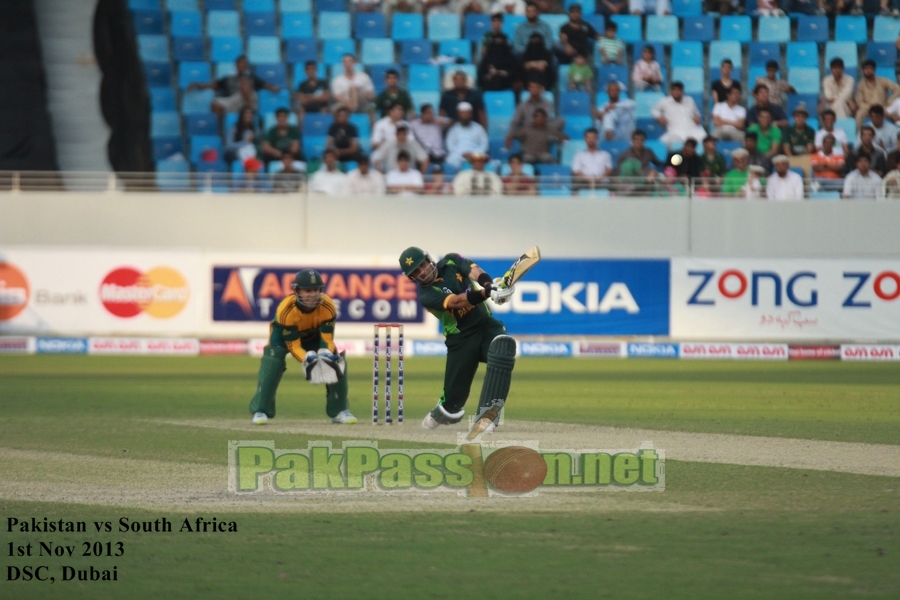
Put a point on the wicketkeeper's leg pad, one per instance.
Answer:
(336, 393)
(271, 368)
(501, 358)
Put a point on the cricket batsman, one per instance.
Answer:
(448, 290)
(304, 326)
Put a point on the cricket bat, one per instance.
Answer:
(522, 265)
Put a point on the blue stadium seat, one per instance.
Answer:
(726, 148)
(886, 72)
(576, 124)
(148, 22)
(224, 69)
(362, 124)
(850, 29)
(645, 101)
(333, 51)
(272, 101)
(848, 124)
(223, 23)
(497, 150)
(173, 175)
(884, 54)
(416, 52)
(255, 6)
(651, 127)
(407, 27)
(719, 50)
(424, 78)
(774, 29)
(202, 143)
(575, 103)
(687, 54)
(806, 80)
(331, 6)
(314, 145)
(597, 21)
(691, 77)
(274, 73)
(153, 48)
(699, 29)
(297, 25)
(377, 73)
(886, 29)
(498, 128)
(188, 48)
(802, 54)
(510, 22)
(443, 27)
(193, 72)
(848, 51)
(687, 8)
(300, 50)
(158, 74)
(162, 99)
(165, 147)
(662, 29)
(763, 52)
(207, 124)
(186, 24)
(165, 124)
(334, 26)
(456, 48)
(809, 100)
(143, 5)
(317, 123)
(499, 104)
(226, 49)
(475, 26)
(377, 51)
(755, 71)
(422, 97)
(196, 103)
(295, 6)
(812, 29)
(263, 49)
(736, 28)
(259, 24)
(174, 5)
(629, 27)
(370, 25)
(555, 180)
(617, 73)
(615, 148)
(555, 21)
(220, 5)
(567, 155)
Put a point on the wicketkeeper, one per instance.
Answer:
(304, 326)
(454, 290)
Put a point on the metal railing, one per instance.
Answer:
(654, 186)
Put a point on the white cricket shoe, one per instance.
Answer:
(344, 418)
(259, 418)
(429, 423)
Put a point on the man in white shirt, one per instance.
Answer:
(885, 131)
(837, 90)
(428, 130)
(861, 183)
(784, 184)
(842, 143)
(592, 166)
(679, 115)
(729, 117)
(385, 129)
(364, 180)
(385, 158)
(616, 116)
(354, 89)
(404, 179)
(328, 179)
(466, 137)
(476, 181)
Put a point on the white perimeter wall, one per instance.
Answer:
(578, 227)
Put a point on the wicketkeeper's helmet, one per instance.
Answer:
(308, 279)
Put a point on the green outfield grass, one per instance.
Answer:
(718, 531)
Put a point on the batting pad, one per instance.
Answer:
(501, 359)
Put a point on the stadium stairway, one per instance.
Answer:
(73, 82)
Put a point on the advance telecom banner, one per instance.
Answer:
(587, 297)
(772, 299)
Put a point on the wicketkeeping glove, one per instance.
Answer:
(309, 362)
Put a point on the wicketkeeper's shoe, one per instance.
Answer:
(259, 418)
(344, 418)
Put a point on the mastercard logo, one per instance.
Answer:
(14, 291)
(161, 292)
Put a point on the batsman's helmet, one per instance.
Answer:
(412, 258)
(308, 279)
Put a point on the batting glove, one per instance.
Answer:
(502, 296)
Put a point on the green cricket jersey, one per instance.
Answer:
(452, 279)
